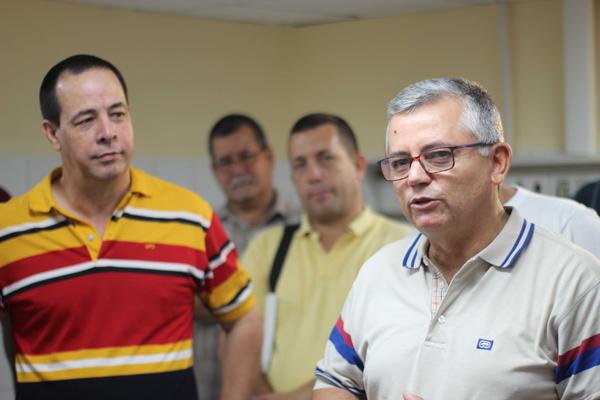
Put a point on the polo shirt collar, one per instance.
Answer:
(278, 210)
(357, 227)
(505, 249)
(502, 252)
(41, 199)
(414, 255)
(140, 183)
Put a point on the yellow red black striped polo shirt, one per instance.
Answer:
(116, 309)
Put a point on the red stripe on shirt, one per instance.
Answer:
(49, 261)
(103, 309)
(153, 252)
(347, 339)
(571, 355)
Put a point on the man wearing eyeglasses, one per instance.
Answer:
(482, 304)
(242, 163)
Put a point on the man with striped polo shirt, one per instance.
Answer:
(100, 262)
(481, 304)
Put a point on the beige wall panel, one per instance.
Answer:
(538, 76)
(183, 73)
(355, 68)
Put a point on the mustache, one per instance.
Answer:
(242, 180)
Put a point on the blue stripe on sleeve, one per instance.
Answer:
(344, 349)
(586, 360)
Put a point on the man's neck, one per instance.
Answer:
(507, 193)
(330, 231)
(450, 251)
(254, 211)
(91, 201)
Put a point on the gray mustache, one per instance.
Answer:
(246, 179)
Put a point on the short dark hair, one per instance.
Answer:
(229, 124)
(315, 120)
(75, 64)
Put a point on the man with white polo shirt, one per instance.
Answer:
(482, 304)
(575, 221)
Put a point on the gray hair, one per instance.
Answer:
(480, 115)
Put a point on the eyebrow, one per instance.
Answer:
(117, 105)
(92, 111)
(430, 146)
(82, 113)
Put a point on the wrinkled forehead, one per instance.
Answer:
(438, 122)
(324, 138)
(92, 85)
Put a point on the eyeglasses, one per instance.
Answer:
(246, 158)
(435, 160)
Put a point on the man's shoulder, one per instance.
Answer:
(562, 207)
(389, 259)
(391, 227)
(269, 237)
(170, 196)
(18, 211)
(554, 252)
(263, 244)
(400, 247)
(14, 211)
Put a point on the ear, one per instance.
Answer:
(501, 156)
(361, 163)
(49, 130)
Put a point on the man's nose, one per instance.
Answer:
(314, 171)
(417, 175)
(106, 130)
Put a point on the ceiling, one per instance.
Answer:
(286, 12)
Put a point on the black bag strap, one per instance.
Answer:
(284, 244)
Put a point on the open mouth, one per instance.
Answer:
(422, 203)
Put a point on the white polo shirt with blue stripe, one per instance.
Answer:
(520, 320)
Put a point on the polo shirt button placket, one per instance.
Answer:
(442, 319)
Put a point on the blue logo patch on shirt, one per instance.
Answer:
(485, 344)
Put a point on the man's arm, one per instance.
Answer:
(241, 365)
(332, 394)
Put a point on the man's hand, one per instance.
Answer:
(241, 358)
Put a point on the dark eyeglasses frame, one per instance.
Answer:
(384, 163)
